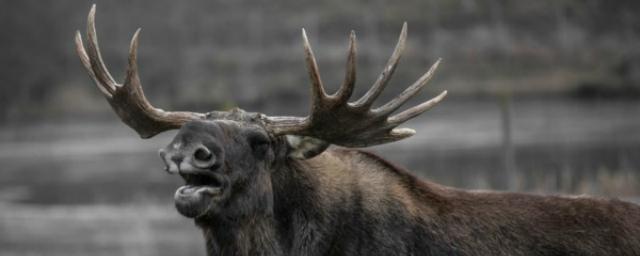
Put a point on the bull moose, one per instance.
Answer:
(272, 185)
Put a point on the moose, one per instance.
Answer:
(282, 185)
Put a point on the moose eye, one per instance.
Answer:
(259, 143)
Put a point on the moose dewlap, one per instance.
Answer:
(271, 185)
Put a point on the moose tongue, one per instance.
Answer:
(189, 189)
(195, 190)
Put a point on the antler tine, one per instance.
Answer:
(127, 100)
(84, 58)
(133, 79)
(317, 89)
(403, 116)
(345, 91)
(99, 68)
(408, 93)
(379, 85)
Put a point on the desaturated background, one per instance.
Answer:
(544, 97)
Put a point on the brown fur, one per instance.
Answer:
(477, 223)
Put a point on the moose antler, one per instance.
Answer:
(127, 99)
(335, 120)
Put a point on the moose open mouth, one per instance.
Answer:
(209, 184)
(199, 192)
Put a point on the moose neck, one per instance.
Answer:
(320, 192)
(250, 236)
(250, 231)
(264, 233)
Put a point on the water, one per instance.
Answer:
(94, 188)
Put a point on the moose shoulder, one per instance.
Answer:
(273, 185)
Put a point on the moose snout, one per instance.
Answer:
(188, 159)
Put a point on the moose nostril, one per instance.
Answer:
(202, 154)
(203, 157)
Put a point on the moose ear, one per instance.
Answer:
(303, 147)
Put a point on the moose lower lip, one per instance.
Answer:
(194, 200)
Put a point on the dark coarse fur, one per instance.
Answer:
(351, 202)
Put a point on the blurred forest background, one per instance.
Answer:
(544, 97)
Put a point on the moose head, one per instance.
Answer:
(227, 158)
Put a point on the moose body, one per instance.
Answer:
(261, 185)
(352, 202)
